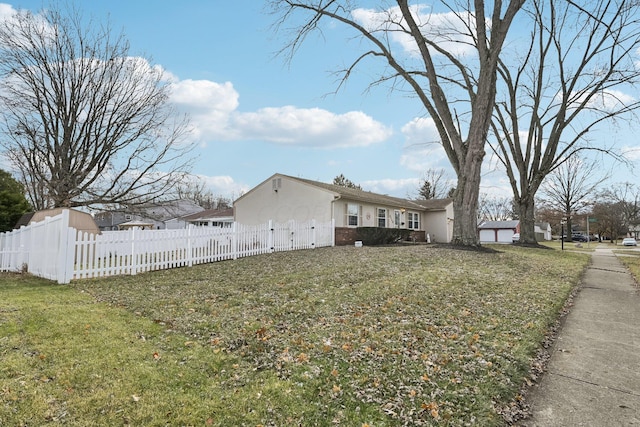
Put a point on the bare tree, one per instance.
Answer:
(610, 220)
(627, 197)
(434, 185)
(195, 189)
(450, 61)
(570, 79)
(84, 122)
(572, 186)
(495, 208)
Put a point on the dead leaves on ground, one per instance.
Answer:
(428, 335)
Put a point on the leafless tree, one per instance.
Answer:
(627, 197)
(571, 78)
(493, 208)
(84, 122)
(445, 61)
(572, 186)
(610, 220)
(434, 185)
(195, 189)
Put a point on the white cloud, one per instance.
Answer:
(608, 100)
(312, 127)
(214, 116)
(404, 187)
(224, 185)
(422, 149)
(612, 100)
(6, 11)
(448, 30)
(632, 153)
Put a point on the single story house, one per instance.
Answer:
(153, 216)
(210, 218)
(543, 231)
(282, 198)
(498, 231)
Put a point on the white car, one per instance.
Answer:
(629, 241)
(515, 238)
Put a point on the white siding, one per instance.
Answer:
(293, 200)
(487, 236)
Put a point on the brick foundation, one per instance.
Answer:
(348, 236)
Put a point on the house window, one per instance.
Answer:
(382, 218)
(353, 212)
(413, 219)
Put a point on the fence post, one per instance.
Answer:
(234, 241)
(189, 246)
(64, 252)
(270, 231)
(313, 233)
(134, 266)
(292, 236)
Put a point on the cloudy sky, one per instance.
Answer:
(254, 114)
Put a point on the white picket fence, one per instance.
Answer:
(55, 251)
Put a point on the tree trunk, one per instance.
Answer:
(526, 212)
(465, 202)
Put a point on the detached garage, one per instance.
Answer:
(498, 231)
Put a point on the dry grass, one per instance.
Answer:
(408, 335)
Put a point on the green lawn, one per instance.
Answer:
(632, 260)
(408, 335)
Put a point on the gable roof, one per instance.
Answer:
(499, 224)
(373, 198)
(209, 214)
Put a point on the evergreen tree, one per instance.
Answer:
(13, 204)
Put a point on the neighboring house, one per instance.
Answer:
(498, 231)
(503, 231)
(81, 221)
(210, 218)
(149, 217)
(543, 231)
(282, 198)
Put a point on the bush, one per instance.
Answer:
(382, 236)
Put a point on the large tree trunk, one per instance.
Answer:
(465, 203)
(526, 212)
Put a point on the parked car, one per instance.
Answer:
(580, 238)
(515, 238)
(629, 241)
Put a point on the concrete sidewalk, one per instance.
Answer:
(593, 377)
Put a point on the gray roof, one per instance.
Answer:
(209, 214)
(374, 198)
(492, 225)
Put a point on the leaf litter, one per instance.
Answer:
(429, 336)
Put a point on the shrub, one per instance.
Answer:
(382, 236)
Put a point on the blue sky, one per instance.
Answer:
(255, 115)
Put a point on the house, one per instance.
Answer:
(210, 218)
(152, 216)
(543, 231)
(498, 231)
(282, 198)
(81, 221)
(503, 231)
